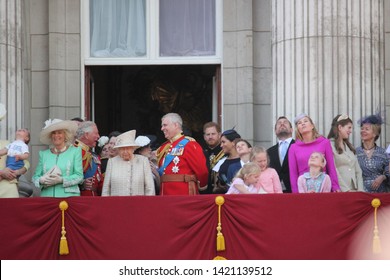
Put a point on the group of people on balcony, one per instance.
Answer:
(227, 164)
(308, 163)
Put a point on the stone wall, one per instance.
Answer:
(52, 66)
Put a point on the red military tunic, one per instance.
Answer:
(91, 169)
(188, 160)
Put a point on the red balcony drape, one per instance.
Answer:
(272, 226)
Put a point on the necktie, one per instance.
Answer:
(283, 149)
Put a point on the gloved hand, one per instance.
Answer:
(43, 179)
(52, 180)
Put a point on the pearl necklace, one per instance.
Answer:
(56, 151)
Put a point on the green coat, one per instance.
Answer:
(70, 163)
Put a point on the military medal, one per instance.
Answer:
(175, 169)
(177, 151)
(176, 160)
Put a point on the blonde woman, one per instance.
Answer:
(308, 140)
(59, 171)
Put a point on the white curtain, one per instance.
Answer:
(118, 28)
(187, 27)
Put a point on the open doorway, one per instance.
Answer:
(136, 97)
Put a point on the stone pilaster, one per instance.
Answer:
(11, 66)
(328, 58)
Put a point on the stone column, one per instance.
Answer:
(64, 59)
(11, 66)
(328, 58)
(237, 68)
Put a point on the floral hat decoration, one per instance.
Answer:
(372, 119)
(142, 141)
(103, 140)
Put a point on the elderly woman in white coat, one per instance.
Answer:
(348, 169)
(128, 174)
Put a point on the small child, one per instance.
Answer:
(17, 151)
(245, 179)
(269, 181)
(315, 180)
(243, 148)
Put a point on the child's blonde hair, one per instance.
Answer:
(259, 150)
(248, 169)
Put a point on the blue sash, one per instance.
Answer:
(170, 156)
(90, 172)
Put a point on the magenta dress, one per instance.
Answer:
(298, 158)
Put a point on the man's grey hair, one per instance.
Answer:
(84, 127)
(174, 118)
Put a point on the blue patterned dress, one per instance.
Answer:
(376, 165)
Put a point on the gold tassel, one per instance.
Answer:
(376, 242)
(219, 258)
(219, 200)
(64, 249)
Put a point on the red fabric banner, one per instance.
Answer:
(272, 226)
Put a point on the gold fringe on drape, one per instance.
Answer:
(219, 200)
(64, 249)
(376, 242)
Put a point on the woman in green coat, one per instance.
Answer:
(59, 171)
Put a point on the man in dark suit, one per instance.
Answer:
(278, 153)
(212, 151)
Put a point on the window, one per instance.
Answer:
(151, 31)
(187, 27)
(117, 28)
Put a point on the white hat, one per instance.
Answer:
(3, 111)
(142, 141)
(54, 125)
(126, 140)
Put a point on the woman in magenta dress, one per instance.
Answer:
(307, 141)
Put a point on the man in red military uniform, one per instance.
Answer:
(181, 162)
(87, 135)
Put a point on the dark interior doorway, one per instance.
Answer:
(136, 97)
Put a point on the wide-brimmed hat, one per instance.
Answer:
(126, 139)
(3, 111)
(54, 125)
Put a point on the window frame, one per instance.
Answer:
(152, 41)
